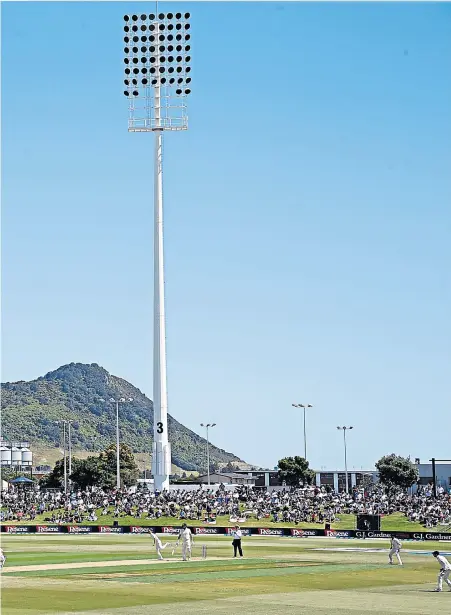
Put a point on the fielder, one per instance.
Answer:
(395, 549)
(445, 571)
(187, 539)
(159, 546)
(2, 559)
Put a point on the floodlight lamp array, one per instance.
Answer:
(157, 52)
(157, 65)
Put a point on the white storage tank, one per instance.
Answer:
(5, 456)
(27, 457)
(16, 456)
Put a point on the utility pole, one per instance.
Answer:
(64, 448)
(346, 459)
(119, 400)
(304, 406)
(208, 449)
(69, 425)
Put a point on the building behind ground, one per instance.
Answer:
(442, 473)
(242, 477)
(335, 479)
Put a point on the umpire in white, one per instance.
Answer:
(237, 536)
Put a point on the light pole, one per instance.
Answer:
(119, 400)
(157, 77)
(69, 437)
(208, 449)
(64, 447)
(304, 406)
(346, 460)
(69, 425)
(67, 473)
(63, 423)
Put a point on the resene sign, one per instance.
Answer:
(340, 533)
(48, 529)
(263, 531)
(108, 529)
(138, 529)
(16, 529)
(79, 529)
(207, 530)
(305, 533)
(229, 531)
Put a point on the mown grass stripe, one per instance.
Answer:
(193, 575)
(168, 565)
(240, 574)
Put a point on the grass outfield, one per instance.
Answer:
(120, 575)
(396, 522)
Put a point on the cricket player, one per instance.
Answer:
(445, 571)
(395, 549)
(237, 536)
(187, 538)
(2, 559)
(159, 546)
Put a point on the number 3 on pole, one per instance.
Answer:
(159, 427)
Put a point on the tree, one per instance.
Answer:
(108, 466)
(87, 473)
(295, 471)
(395, 471)
(99, 471)
(213, 466)
(230, 467)
(55, 480)
(367, 482)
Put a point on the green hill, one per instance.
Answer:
(75, 391)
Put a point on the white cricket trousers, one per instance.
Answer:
(186, 550)
(393, 552)
(443, 575)
(159, 548)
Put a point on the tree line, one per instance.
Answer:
(395, 472)
(99, 471)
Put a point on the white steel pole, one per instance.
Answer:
(305, 439)
(161, 459)
(164, 109)
(208, 459)
(70, 453)
(346, 461)
(304, 408)
(118, 463)
(64, 447)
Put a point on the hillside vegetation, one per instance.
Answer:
(30, 411)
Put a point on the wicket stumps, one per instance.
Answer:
(204, 551)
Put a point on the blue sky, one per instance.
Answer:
(307, 220)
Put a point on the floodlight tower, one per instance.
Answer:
(157, 79)
(344, 428)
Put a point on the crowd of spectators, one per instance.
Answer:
(309, 504)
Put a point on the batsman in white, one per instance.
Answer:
(187, 539)
(159, 546)
(2, 559)
(445, 571)
(395, 549)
